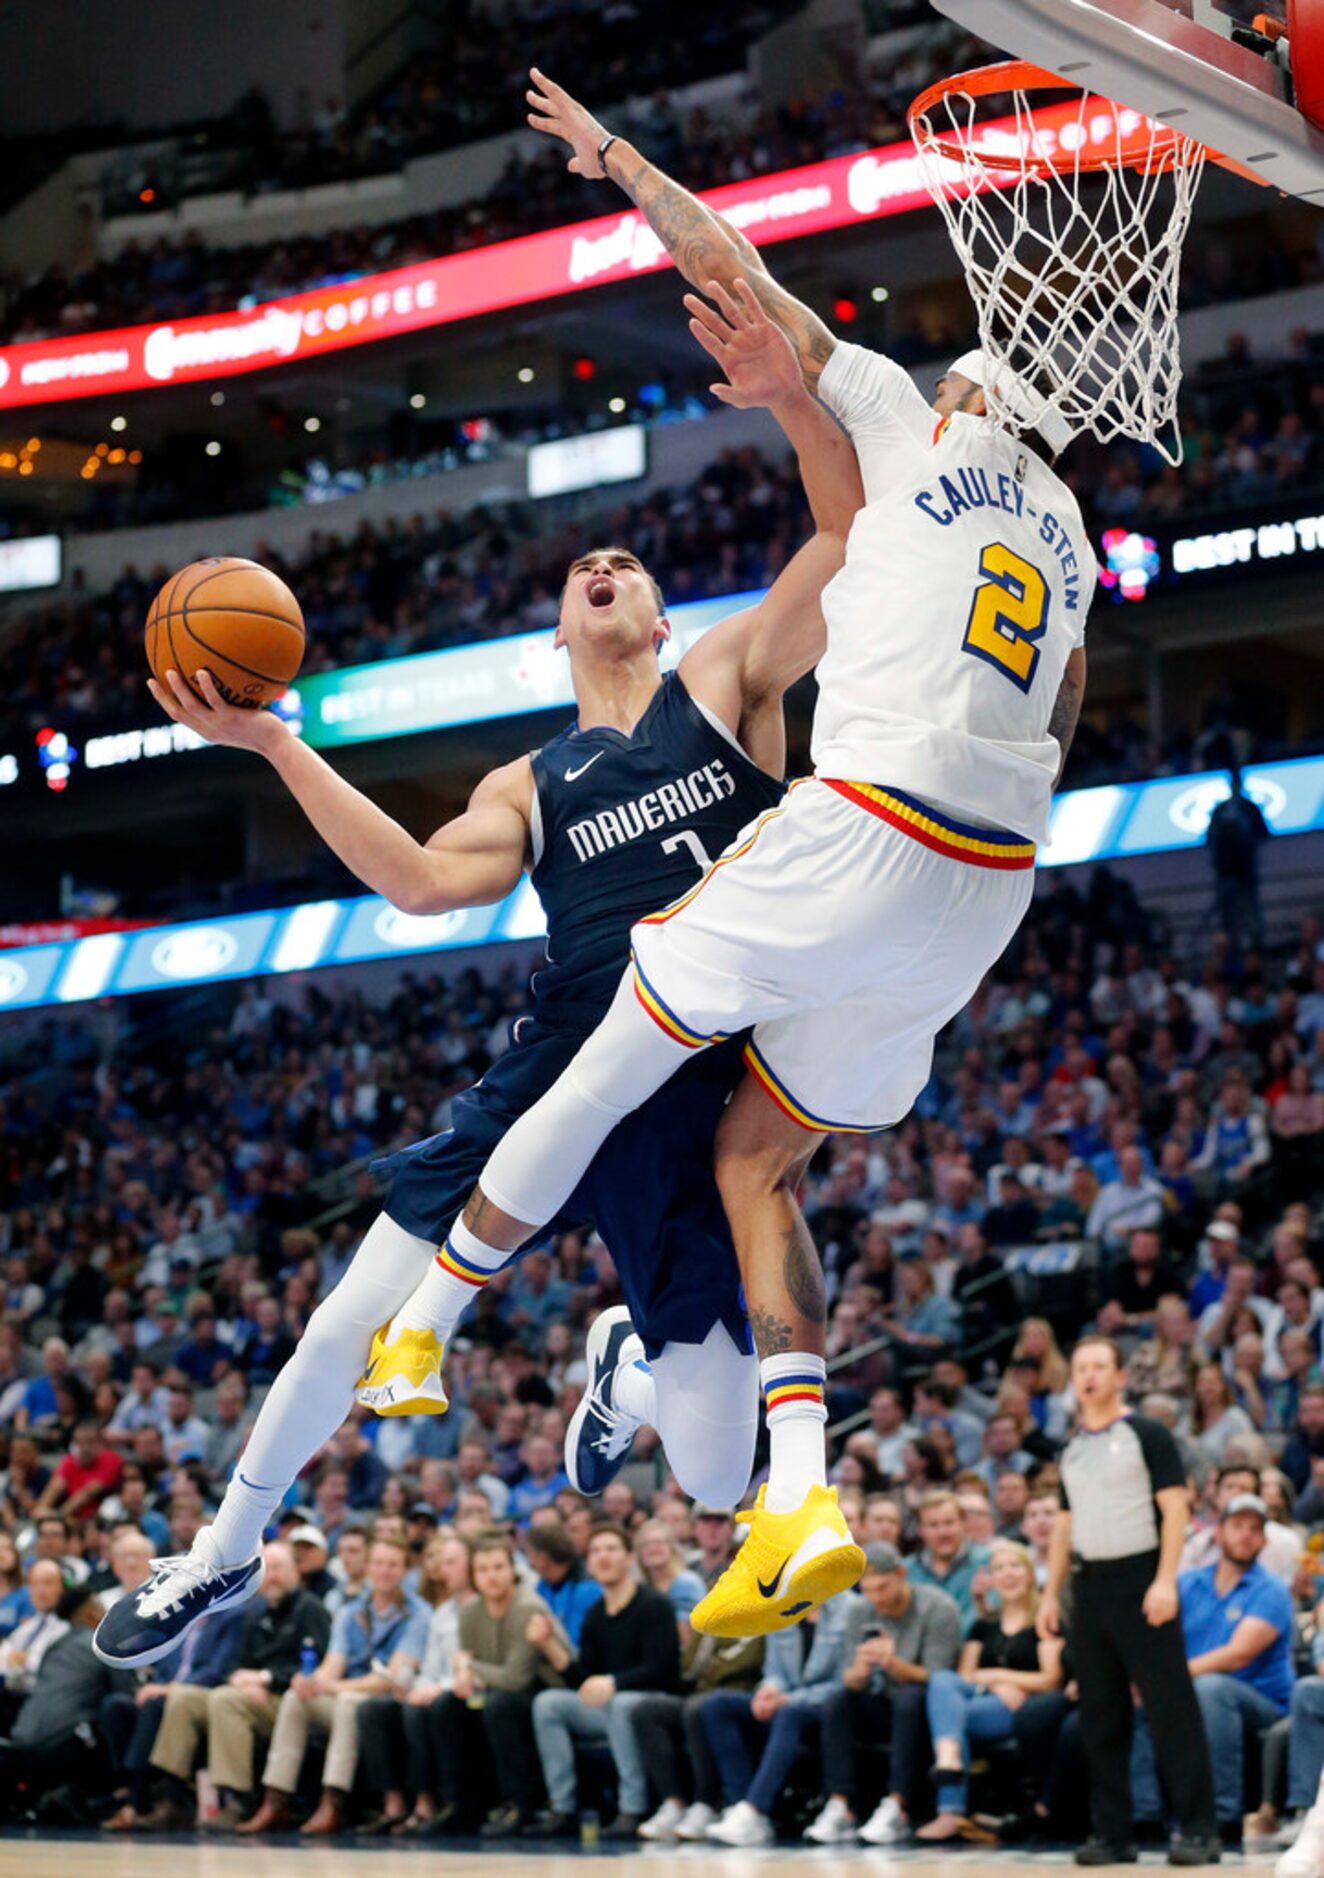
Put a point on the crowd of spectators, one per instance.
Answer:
(450, 1639)
(420, 584)
(182, 276)
(442, 579)
(174, 278)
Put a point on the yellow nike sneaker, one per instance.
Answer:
(403, 1377)
(789, 1564)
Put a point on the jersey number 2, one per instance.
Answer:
(1009, 614)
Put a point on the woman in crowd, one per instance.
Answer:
(1214, 1418)
(1002, 1663)
(395, 1498)
(15, 1604)
(1037, 1343)
(662, 1565)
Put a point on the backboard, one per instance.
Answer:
(1182, 67)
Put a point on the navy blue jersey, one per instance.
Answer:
(623, 826)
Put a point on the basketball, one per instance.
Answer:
(234, 617)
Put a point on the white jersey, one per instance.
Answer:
(967, 579)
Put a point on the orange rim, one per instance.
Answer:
(1150, 148)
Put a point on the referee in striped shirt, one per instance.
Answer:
(1120, 1532)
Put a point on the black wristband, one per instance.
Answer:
(603, 148)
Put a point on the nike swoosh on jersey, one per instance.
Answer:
(572, 775)
(770, 1589)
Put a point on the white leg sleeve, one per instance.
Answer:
(542, 1159)
(312, 1395)
(708, 1416)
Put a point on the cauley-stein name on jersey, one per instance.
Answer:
(675, 801)
(972, 487)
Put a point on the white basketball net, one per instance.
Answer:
(1073, 270)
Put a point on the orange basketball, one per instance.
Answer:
(234, 617)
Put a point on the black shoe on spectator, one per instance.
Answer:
(378, 1826)
(450, 1822)
(1186, 1849)
(504, 1823)
(624, 1826)
(550, 1826)
(1099, 1852)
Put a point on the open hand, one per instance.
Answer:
(757, 357)
(557, 114)
(214, 719)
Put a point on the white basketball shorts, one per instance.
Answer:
(847, 926)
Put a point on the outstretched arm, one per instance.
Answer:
(703, 246)
(471, 861)
(742, 668)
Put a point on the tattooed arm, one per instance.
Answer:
(704, 247)
(1066, 707)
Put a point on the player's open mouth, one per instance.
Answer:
(601, 590)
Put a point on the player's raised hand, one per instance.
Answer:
(757, 357)
(557, 114)
(214, 719)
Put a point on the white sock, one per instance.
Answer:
(453, 1280)
(635, 1393)
(793, 1386)
(315, 1391)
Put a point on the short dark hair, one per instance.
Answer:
(72, 1600)
(551, 1542)
(491, 1540)
(608, 1528)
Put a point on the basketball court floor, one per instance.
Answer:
(87, 1857)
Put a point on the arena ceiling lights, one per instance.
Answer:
(838, 193)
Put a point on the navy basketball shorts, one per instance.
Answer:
(650, 1191)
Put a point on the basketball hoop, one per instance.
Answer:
(1069, 221)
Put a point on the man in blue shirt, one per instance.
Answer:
(562, 1584)
(543, 1479)
(1237, 1624)
(377, 1643)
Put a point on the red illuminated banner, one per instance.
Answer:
(45, 932)
(835, 194)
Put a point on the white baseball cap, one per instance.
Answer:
(1025, 405)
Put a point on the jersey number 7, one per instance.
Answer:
(1009, 614)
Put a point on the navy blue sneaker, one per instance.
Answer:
(600, 1434)
(146, 1624)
